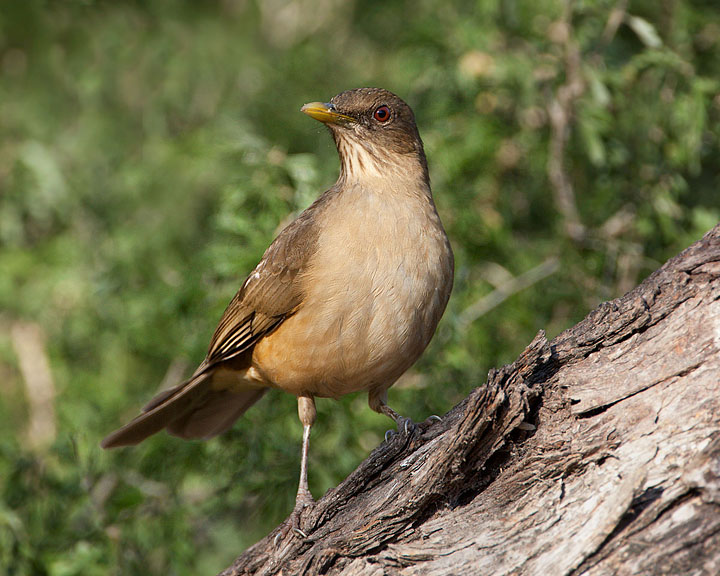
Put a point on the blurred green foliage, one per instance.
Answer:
(150, 151)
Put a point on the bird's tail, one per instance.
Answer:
(191, 410)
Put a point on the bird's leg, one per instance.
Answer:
(303, 499)
(378, 402)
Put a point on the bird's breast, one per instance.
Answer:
(374, 293)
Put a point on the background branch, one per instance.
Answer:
(560, 112)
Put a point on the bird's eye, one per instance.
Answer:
(382, 114)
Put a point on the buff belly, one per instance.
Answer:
(383, 310)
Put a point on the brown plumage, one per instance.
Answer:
(345, 299)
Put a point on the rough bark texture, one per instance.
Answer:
(597, 453)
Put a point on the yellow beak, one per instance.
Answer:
(325, 113)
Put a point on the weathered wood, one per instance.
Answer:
(597, 453)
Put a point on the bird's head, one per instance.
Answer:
(374, 131)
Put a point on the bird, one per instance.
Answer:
(345, 299)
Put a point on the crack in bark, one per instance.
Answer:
(597, 410)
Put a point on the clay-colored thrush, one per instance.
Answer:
(346, 298)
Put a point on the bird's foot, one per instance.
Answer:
(407, 426)
(404, 426)
(292, 525)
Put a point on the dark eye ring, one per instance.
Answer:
(382, 114)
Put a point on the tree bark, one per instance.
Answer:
(596, 453)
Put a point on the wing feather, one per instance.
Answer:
(270, 294)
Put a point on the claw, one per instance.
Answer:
(405, 425)
(290, 526)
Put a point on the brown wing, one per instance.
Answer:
(269, 295)
(195, 409)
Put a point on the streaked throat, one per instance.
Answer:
(361, 161)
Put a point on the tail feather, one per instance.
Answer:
(168, 406)
(216, 414)
(191, 410)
